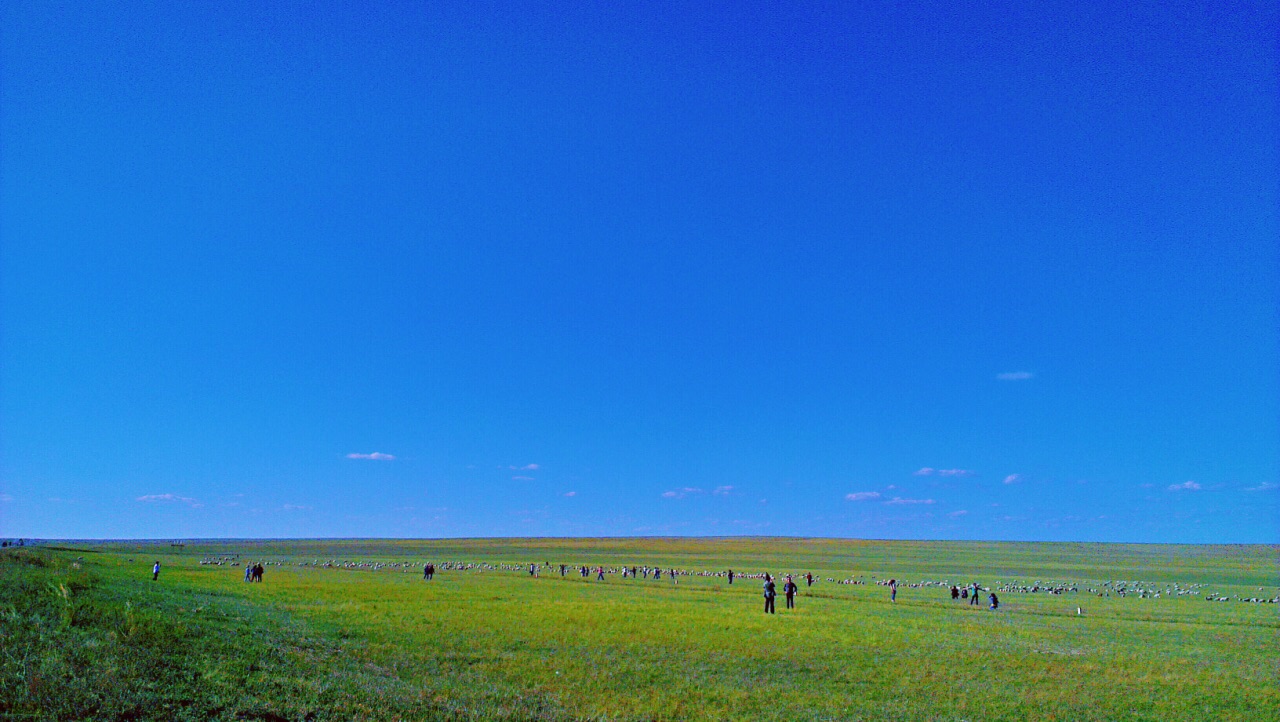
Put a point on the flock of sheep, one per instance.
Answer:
(1118, 588)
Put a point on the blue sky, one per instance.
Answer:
(994, 272)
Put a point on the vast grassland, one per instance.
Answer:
(349, 630)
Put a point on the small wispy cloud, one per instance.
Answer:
(526, 467)
(5, 498)
(681, 493)
(522, 478)
(1015, 376)
(1264, 486)
(1013, 478)
(375, 456)
(930, 471)
(571, 493)
(723, 490)
(958, 513)
(862, 496)
(295, 507)
(900, 500)
(1185, 486)
(170, 498)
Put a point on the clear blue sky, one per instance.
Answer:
(995, 272)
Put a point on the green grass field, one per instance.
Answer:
(86, 633)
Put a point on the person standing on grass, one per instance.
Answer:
(808, 577)
(973, 595)
(955, 593)
(995, 601)
(893, 590)
(731, 576)
(790, 590)
(769, 593)
(248, 572)
(673, 576)
(600, 574)
(155, 571)
(562, 569)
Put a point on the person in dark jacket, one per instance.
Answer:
(790, 590)
(770, 591)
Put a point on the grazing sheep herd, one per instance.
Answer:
(1116, 588)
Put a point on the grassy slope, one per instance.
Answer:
(342, 644)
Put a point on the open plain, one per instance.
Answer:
(349, 629)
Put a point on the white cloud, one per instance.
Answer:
(723, 490)
(1015, 376)
(153, 498)
(930, 471)
(5, 498)
(681, 493)
(862, 495)
(1185, 486)
(522, 478)
(571, 493)
(900, 500)
(958, 513)
(1264, 486)
(1013, 478)
(375, 456)
(295, 507)
(530, 467)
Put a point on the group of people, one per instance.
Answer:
(973, 593)
(253, 572)
(789, 590)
